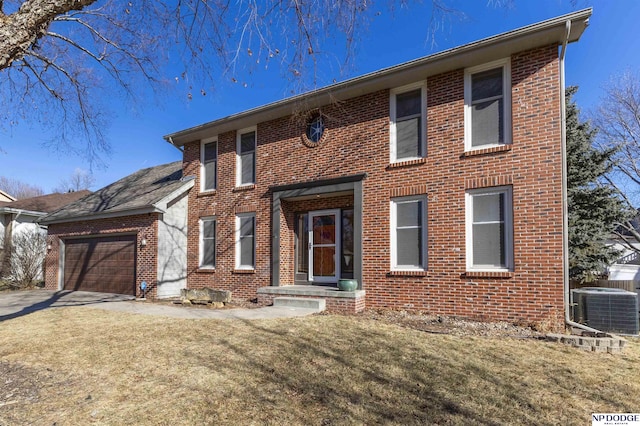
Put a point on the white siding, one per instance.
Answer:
(24, 225)
(172, 249)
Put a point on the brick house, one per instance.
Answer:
(436, 184)
(126, 233)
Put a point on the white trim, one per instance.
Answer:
(338, 234)
(203, 179)
(423, 230)
(505, 64)
(239, 134)
(237, 240)
(422, 85)
(61, 254)
(508, 227)
(201, 241)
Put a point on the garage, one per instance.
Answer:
(102, 264)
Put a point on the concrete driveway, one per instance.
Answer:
(14, 304)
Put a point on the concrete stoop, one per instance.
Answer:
(610, 343)
(300, 302)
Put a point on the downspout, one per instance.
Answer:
(565, 208)
(170, 140)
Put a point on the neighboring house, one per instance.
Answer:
(18, 216)
(131, 231)
(436, 184)
(4, 197)
(627, 266)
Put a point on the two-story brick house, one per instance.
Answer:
(437, 184)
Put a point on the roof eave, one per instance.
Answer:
(22, 212)
(485, 50)
(162, 204)
(97, 216)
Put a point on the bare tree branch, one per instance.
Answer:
(60, 58)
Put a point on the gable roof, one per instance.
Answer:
(567, 27)
(6, 197)
(145, 191)
(42, 204)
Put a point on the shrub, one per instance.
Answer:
(28, 250)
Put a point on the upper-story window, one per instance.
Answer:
(408, 123)
(209, 164)
(246, 157)
(487, 96)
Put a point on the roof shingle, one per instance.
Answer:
(139, 190)
(45, 203)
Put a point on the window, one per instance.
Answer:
(487, 96)
(315, 129)
(245, 241)
(489, 229)
(208, 243)
(246, 157)
(408, 123)
(408, 233)
(209, 164)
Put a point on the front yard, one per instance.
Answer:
(72, 366)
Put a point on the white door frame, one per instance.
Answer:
(336, 256)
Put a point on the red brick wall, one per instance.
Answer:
(145, 226)
(357, 140)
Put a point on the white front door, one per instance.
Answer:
(324, 246)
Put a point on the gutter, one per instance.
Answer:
(565, 207)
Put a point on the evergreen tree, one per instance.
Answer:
(594, 210)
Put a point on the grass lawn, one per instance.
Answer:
(76, 366)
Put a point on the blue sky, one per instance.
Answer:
(609, 46)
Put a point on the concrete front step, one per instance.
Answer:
(300, 302)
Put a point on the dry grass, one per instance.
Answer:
(73, 366)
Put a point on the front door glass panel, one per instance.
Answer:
(324, 246)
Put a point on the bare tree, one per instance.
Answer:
(79, 180)
(19, 189)
(60, 58)
(618, 121)
(28, 250)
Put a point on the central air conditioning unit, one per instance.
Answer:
(611, 310)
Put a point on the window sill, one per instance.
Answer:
(206, 270)
(243, 271)
(206, 193)
(488, 274)
(406, 163)
(244, 187)
(485, 151)
(416, 273)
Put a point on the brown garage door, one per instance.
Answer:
(101, 264)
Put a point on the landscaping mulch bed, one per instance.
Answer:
(439, 324)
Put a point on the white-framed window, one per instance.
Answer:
(408, 127)
(209, 164)
(207, 243)
(487, 101)
(246, 156)
(409, 233)
(245, 241)
(490, 229)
